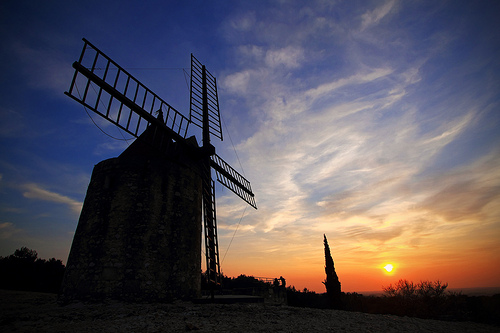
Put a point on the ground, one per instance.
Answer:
(39, 312)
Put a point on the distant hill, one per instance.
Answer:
(482, 291)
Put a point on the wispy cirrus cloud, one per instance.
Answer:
(373, 17)
(351, 153)
(44, 68)
(118, 145)
(36, 192)
(356, 79)
(289, 57)
(471, 192)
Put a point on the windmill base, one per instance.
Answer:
(139, 234)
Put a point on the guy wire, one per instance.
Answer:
(93, 121)
(234, 234)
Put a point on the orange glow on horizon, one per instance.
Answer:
(361, 266)
(361, 278)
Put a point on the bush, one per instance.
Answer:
(306, 298)
(425, 299)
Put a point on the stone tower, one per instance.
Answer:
(139, 233)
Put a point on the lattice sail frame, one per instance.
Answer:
(233, 180)
(196, 99)
(114, 94)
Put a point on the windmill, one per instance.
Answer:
(104, 87)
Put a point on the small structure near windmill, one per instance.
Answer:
(139, 233)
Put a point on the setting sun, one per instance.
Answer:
(388, 268)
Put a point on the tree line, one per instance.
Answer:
(23, 270)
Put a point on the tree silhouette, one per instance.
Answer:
(425, 299)
(332, 282)
(26, 254)
(23, 270)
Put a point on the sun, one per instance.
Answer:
(388, 268)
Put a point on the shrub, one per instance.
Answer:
(425, 299)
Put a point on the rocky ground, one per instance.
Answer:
(38, 312)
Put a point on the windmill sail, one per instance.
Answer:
(101, 85)
(233, 180)
(202, 80)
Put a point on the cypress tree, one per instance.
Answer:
(332, 282)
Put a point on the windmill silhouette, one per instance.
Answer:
(101, 85)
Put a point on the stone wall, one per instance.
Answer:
(139, 233)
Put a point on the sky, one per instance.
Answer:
(373, 122)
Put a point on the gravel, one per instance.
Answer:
(39, 312)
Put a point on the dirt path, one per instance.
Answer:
(38, 312)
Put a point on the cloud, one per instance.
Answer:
(261, 66)
(365, 136)
(364, 232)
(44, 68)
(251, 52)
(244, 22)
(289, 57)
(344, 152)
(469, 193)
(7, 230)
(117, 146)
(34, 191)
(356, 79)
(237, 82)
(347, 142)
(374, 16)
(449, 131)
